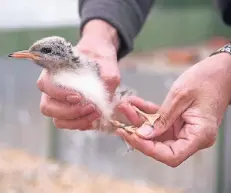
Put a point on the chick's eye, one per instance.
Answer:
(46, 50)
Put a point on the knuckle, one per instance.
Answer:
(44, 108)
(210, 143)
(112, 79)
(208, 132)
(149, 154)
(116, 79)
(210, 136)
(174, 163)
(170, 161)
(58, 123)
(40, 81)
(180, 93)
(40, 84)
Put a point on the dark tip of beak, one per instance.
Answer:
(10, 55)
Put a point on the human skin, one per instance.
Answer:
(190, 114)
(100, 42)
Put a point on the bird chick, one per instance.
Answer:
(72, 70)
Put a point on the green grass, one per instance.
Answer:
(164, 27)
(22, 39)
(176, 27)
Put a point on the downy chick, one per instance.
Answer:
(72, 70)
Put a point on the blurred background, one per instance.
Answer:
(177, 34)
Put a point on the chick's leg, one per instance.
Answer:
(149, 120)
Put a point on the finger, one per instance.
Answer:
(176, 102)
(110, 74)
(130, 113)
(46, 85)
(147, 132)
(127, 108)
(172, 153)
(141, 104)
(129, 138)
(63, 110)
(83, 123)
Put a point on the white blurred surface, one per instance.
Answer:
(38, 13)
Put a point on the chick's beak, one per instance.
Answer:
(24, 54)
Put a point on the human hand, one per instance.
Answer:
(190, 114)
(100, 42)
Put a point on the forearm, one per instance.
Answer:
(126, 17)
(101, 30)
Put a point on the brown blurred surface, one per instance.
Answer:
(174, 57)
(24, 173)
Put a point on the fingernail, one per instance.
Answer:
(73, 98)
(88, 109)
(159, 124)
(145, 131)
(93, 116)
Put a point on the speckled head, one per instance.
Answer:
(51, 53)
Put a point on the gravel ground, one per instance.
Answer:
(21, 172)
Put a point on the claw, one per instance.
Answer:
(150, 120)
(129, 129)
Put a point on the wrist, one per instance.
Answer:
(223, 63)
(101, 32)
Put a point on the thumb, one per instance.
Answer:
(173, 106)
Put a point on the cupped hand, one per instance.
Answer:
(64, 105)
(190, 114)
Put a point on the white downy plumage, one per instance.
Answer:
(72, 70)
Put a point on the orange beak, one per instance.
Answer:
(24, 54)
